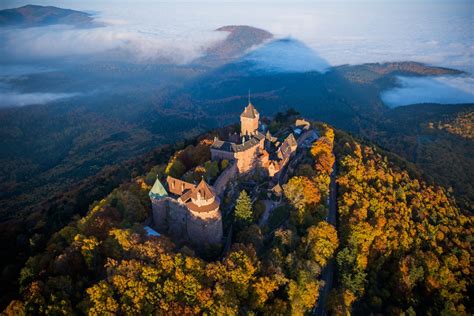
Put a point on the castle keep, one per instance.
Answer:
(249, 121)
(255, 149)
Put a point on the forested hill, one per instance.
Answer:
(401, 246)
(36, 15)
(438, 139)
(405, 246)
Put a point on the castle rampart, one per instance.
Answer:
(194, 216)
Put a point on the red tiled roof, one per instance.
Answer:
(249, 111)
(177, 186)
(204, 190)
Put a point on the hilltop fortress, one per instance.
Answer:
(192, 211)
(255, 148)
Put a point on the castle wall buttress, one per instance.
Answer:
(205, 228)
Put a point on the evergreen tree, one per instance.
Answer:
(243, 209)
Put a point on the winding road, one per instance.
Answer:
(328, 272)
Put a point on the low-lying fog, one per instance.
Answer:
(442, 89)
(430, 31)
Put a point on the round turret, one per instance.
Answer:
(204, 223)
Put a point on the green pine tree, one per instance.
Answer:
(243, 209)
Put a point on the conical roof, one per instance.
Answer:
(204, 190)
(250, 111)
(157, 191)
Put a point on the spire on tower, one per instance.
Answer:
(249, 120)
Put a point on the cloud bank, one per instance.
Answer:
(12, 99)
(61, 41)
(434, 32)
(444, 90)
(9, 97)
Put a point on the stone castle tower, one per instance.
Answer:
(204, 223)
(249, 120)
(254, 149)
(194, 215)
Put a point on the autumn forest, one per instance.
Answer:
(400, 246)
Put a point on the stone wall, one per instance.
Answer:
(160, 214)
(221, 182)
(174, 219)
(247, 160)
(205, 229)
(221, 154)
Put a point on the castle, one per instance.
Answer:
(255, 148)
(192, 212)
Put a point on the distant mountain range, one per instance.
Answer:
(36, 15)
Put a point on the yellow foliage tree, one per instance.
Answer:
(321, 242)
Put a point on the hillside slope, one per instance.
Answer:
(433, 136)
(405, 245)
(389, 245)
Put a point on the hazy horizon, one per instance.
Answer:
(437, 33)
(433, 32)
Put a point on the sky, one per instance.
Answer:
(438, 32)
